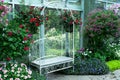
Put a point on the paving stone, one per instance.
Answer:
(111, 76)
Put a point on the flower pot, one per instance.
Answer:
(68, 28)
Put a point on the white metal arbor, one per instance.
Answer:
(42, 62)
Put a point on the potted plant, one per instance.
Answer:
(68, 19)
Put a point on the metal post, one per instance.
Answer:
(67, 45)
(13, 8)
(42, 38)
(81, 27)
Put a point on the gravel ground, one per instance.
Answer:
(111, 76)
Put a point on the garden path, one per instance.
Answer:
(111, 76)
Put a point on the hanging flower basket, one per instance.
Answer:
(68, 19)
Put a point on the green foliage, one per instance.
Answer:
(102, 30)
(113, 65)
(54, 52)
(15, 41)
(36, 75)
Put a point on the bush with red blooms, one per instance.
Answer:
(15, 41)
(68, 18)
(30, 18)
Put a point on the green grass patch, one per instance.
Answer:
(113, 65)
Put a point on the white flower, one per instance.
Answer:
(5, 75)
(0, 75)
(29, 72)
(29, 76)
(22, 76)
(19, 69)
(23, 65)
(11, 64)
(90, 51)
(25, 77)
(18, 75)
(17, 78)
(15, 65)
(11, 78)
(4, 71)
(12, 70)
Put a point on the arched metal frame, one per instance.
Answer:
(52, 64)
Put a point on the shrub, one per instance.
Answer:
(102, 30)
(88, 67)
(113, 65)
(15, 41)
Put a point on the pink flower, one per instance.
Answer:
(4, 71)
(17, 78)
(2, 1)
(1, 79)
(11, 78)
(0, 68)
(29, 72)
(22, 64)
(29, 35)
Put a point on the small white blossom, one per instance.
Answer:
(11, 78)
(18, 75)
(0, 75)
(15, 65)
(25, 77)
(12, 70)
(29, 76)
(29, 72)
(5, 75)
(17, 79)
(18, 71)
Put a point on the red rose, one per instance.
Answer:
(32, 20)
(64, 18)
(71, 22)
(46, 18)
(76, 21)
(37, 24)
(26, 48)
(25, 38)
(8, 59)
(21, 26)
(10, 33)
(27, 30)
